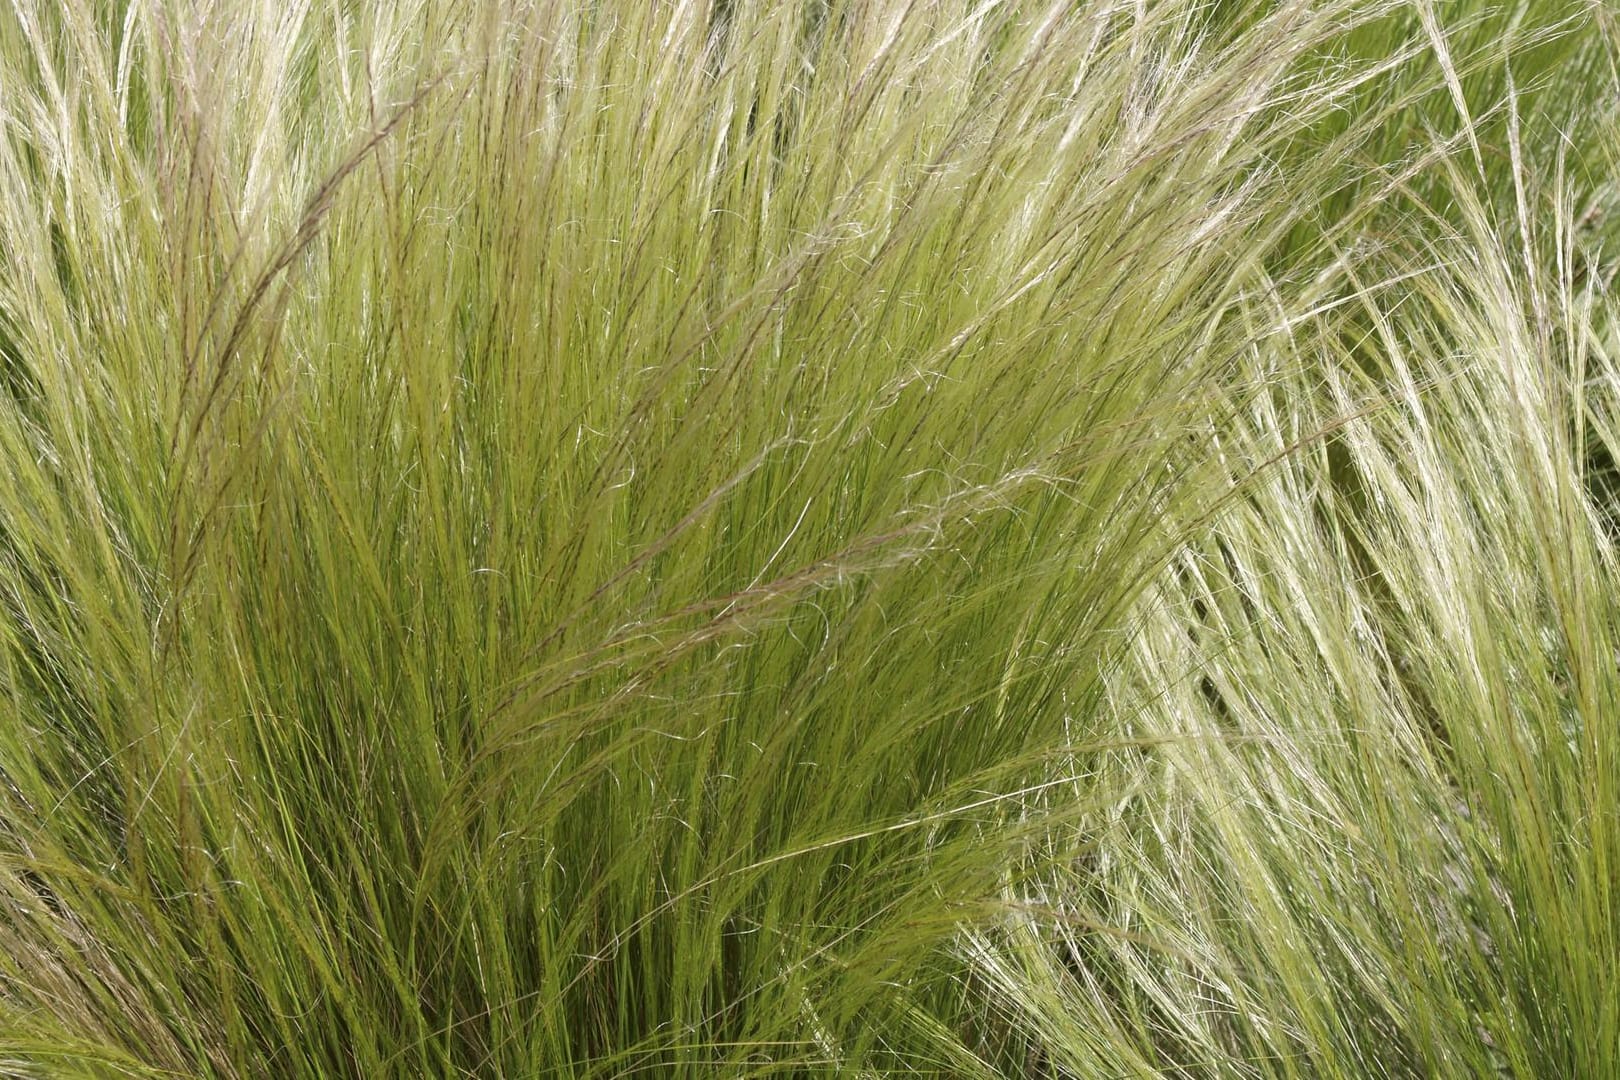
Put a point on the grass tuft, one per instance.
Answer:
(947, 537)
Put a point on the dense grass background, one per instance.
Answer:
(814, 537)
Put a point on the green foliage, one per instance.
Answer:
(682, 538)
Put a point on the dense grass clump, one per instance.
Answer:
(582, 538)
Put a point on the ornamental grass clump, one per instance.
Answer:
(685, 538)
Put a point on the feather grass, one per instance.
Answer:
(587, 538)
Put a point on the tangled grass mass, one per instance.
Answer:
(794, 538)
